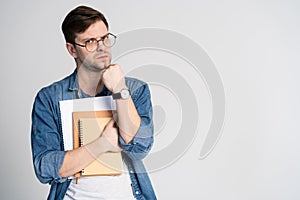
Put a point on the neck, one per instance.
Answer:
(90, 82)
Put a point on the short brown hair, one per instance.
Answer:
(78, 20)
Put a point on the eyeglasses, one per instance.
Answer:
(91, 45)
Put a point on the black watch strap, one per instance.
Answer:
(116, 96)
(123, 94)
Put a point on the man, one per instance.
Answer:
(88, 42)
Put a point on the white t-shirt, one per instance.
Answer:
(101, 187)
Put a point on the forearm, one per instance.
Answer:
(77, 159)
(138, 114)
(128, 119)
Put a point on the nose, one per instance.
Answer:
(100, 46)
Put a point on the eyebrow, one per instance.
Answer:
(86, 39)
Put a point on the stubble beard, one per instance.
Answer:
(92, 64)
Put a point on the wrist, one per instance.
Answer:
(103, 144)
(119, 87)
(123, 94)
(106, 145)
(97, 147)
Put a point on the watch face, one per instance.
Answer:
(124, 94)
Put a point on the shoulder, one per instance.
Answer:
(55, 90)
(137, 88)
(134, 83)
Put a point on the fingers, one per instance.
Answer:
(110, 124)
(107, 67)
(111, 136)
(109, 129)
(113, 78)
(110, 146)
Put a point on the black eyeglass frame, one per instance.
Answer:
(101, 39)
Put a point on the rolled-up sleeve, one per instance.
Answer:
(46, 142)
(141, 144)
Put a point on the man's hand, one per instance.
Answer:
(77, 159)
(111, 137)
(113, 78)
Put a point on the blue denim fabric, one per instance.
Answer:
(47, 141)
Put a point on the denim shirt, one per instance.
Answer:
(47, 140)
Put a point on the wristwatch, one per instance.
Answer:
(123, 94)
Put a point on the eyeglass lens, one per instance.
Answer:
(107, 41)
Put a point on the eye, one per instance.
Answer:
(90, 41)
(105, 37)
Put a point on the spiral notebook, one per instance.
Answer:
(87, 127)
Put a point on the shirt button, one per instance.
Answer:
(131, 171)
(137, 192)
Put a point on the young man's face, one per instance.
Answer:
(98, 59)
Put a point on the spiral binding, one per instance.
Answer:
(80, 128)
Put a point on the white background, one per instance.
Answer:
(255, 46)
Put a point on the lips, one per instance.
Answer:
(102, 57)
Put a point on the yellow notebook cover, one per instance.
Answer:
(87, 127)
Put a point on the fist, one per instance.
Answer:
(113, 78)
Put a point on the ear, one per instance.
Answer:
(71, 49)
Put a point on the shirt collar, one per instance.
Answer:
(73, 83)
(74, 86)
